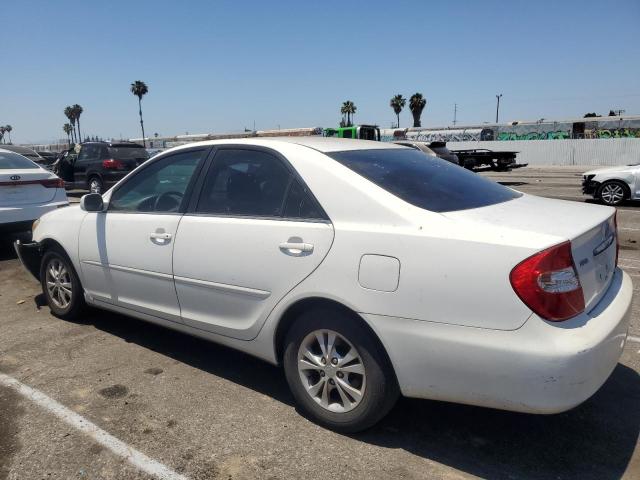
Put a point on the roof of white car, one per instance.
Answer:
(321, 144)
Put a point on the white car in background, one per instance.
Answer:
(613, 185)
(367, 269)
(27, 191)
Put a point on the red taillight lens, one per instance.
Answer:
(112, 164)
(548, 283)
(52, 183)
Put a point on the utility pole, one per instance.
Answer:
(455, 113)
(498, 107)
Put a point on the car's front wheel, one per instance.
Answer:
(61, 285)
(338, 372)
(613, 193)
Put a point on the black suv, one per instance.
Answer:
(100, 165)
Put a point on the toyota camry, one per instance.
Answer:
(367, 270)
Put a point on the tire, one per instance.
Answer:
(377, 384)
(67, 306)
(95, 185)
(613, 192)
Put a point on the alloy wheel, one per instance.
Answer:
(331, 371)
(59, 284)
(612, 193)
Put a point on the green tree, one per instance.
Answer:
(67, 128)
(139, 89)
(8, 129)
(397, 103)
(77, 111)
(416, 105)
(2, 130)
(348, 108)
(70, 114)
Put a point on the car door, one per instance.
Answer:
(126, 251)
(87, 152)
(253, 233)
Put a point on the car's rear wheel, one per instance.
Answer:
(338, 372)
(95, 185)
(613, 193)
(61, 285)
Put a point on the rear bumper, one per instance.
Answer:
(30, 255)
(543, 367)
(28, 213)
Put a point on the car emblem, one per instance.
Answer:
(15, 178)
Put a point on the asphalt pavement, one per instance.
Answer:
(193, 409)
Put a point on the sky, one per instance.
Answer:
(220, 66)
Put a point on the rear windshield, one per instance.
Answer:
(424, 181)
(125, 153)
(13, 161)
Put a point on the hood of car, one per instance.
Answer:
(618, 169)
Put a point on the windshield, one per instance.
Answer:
(424, 181)
(13, 161)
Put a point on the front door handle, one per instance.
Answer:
(160, 237)
(296, 249)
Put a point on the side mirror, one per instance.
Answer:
(92, 202)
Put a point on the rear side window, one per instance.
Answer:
(424, 181)
(128, 153)
(245, 182)
(300, 204)
(12, 161)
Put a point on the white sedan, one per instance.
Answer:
(26, 192)
(613, 185)
(367, 269)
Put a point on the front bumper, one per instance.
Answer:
(30, 255)
(542, 367)
(589, 187)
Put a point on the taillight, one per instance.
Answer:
(548, 283)
(112, 164)
(52, 183)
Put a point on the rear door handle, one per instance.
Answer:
(295, 248)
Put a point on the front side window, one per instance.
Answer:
(160, 187)
(245, 182)
(424, 181)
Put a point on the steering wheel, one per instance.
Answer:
(176, 197)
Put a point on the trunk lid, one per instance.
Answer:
(590, 228)
(22, 187)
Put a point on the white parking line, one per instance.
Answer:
(629, 229)
(631, 338)
(133, 456)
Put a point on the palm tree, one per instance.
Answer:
(8, 128)
(416, 105)
(77, 111)
(139, 89)
(348, 108)
(2, 130)
(67, 128)
(69, 113)
(397, 103)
